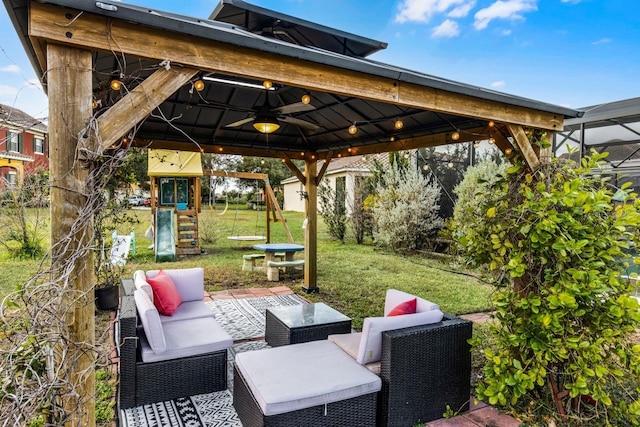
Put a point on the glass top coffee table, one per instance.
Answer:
(296, 324)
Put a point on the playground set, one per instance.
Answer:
(176, 203)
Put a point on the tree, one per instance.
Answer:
(555, 242)
(406, 210)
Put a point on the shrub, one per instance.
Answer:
(406, 210)
(471, 193)
(361, 218)
(555, 241)
(333, 211)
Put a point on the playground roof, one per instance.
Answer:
(174, 163)
(131, 43)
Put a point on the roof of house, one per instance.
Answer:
(361, 163)
(20, 119)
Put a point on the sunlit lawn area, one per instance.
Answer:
(353, 278)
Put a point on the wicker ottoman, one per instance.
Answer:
(310, 384)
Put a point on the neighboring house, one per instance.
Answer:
(341, 174)
(23, 145)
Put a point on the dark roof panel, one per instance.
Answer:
(298, 31)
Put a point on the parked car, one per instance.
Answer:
(147, 202)
(135, 200)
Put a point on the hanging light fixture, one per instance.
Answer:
(353, 129)
(265, 123)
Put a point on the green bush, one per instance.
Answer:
(406, 210)
(555, 241)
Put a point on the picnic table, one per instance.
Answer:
(272, 266)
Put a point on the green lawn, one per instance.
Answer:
(352, 278)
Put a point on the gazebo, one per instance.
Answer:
(246, 81)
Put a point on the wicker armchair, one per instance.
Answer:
(141, 382)
(424, 369)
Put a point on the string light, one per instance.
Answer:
(115, 84)
(392, 138)
(491, 123)
(450, 165)
(198, 85)
(491, 139)
(262, 162)
(349, 149)
(268, 84)
(306, 98)
(476, 144)
(353, 129)
(425, 167)
(508, 151)
(455, 135)
(398, 124)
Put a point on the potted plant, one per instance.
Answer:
(107, 286)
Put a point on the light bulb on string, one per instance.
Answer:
(268, 84)
(198, 85)
(115, 85)
(398, 124)
(508, 151)
(306, 98)
(455, 135)
(353, 129)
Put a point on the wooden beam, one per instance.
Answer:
(527, 151)
(274, 204)
(295, 170)
(69, 110)
(239, 175)
(324, 167)
(311, 230)
(136, 105)
(62, 25)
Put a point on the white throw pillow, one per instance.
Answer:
(395, 297)
(140, 282)
(370, 349)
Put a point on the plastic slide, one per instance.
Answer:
(165, 236)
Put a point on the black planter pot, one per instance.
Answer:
(107, 298)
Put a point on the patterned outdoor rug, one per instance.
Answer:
(244, 318)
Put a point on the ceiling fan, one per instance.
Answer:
(266, 118)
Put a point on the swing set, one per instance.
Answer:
(272, 208)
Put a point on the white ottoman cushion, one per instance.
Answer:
(300, 376)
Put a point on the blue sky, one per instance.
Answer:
(573, 53)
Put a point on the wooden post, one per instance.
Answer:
(267, 209)
(310, 233)
(69, 84)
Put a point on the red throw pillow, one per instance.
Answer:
(165, 295)
(407, 307)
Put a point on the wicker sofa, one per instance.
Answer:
(422, 368)
(146, 377)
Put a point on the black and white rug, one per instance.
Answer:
(244, 318)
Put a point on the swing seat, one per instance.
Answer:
(247, 238)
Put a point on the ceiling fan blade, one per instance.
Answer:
(299, 122)
(240, 122)
(218, 105)
(297, 107)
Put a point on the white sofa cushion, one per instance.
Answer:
(282, 380)
(395, 297)
(189, 310)
(140, 282)
(370, 349)
(188, 338)
(189, 282)
(150, 319)
(350, 343)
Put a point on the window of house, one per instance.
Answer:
(11, 179)
(38, 145)
(14, 141)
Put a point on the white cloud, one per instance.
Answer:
(507, 9)
(423, 10)
(448, 28)
(602, 41)
(499, 83)
(8, 91)
(462, 10)
(571, 1)
(10, 69)
(505, 33)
